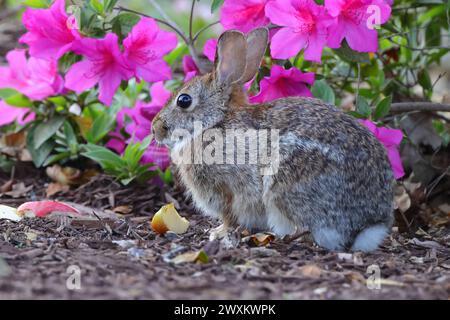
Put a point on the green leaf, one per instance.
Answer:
(323, 91)
(19, 100)
(39, 155)
(383, 108)
(38, 4)
(127, 181)
(166, 176)
(177, 53)
(100, 128)
(216, 4)
(6, 164)
(123, 23)
(109, 5)
(347, 54)
(45, 130)
(7, 93)
(56, 158)
(425, 80)
(97, 6)
(363, 107)
(102, 155)
(71, 137)
(58, 101)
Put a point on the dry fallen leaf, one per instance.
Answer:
(9, 213)
(123, 209)
(311, 271)
(260, 239)
(69, 175)
(19, 190)
(168, 219)
(54, 188)
(31, 236)
(191, 257)
(387, 282)
(402, 199)
(7, 186)
(14, 145)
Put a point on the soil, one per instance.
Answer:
(36, 255)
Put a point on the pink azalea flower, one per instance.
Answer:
(145, 47)
(158, 155)
(391, 139)
(104, 64)
(209, 50)
(116, 142)
(304, 26)
(9, 114)
(140, 126)
(353, 18)
(160, 95)
(284, 83)
(243, 15)
(51, 32)
(189, 68)
(35, 78)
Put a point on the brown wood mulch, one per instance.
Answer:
(127, 260)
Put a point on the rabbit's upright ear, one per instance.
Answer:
(256, 48)
(230, 57)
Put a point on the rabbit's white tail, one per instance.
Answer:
(369, 239)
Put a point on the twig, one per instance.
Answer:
(173, 27)
(359, 83)
(164, 15)
(401, 107)
(204, 66)
(191, 18)
(203, 30)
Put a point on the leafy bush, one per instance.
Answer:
(95, 73)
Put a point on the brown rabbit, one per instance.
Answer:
(332, 176)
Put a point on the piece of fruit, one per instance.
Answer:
(168, 219)
(191, 257)
(43, 208)
(9, 213)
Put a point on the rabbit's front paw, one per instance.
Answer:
(218, 233)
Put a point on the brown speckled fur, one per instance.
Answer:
(334, 177)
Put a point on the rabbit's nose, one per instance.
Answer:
(159, 130)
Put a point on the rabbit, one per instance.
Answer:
(333, 179)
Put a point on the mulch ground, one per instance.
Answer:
(35, 255)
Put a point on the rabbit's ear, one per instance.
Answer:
(256, 48)
(230, 57)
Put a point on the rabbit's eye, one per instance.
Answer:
(184, 101)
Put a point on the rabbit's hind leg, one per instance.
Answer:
(277, 219)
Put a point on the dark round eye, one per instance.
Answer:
(184, 101)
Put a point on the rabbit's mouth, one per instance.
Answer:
(160, 130)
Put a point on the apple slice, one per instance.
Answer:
(44, 208)
(9, 213)
(168, 219)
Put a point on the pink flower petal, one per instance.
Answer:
(209, 50)
(145, 47)
(80, 77)
(49, 34)
(278, 47)
(9, 114)
(243, 15)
